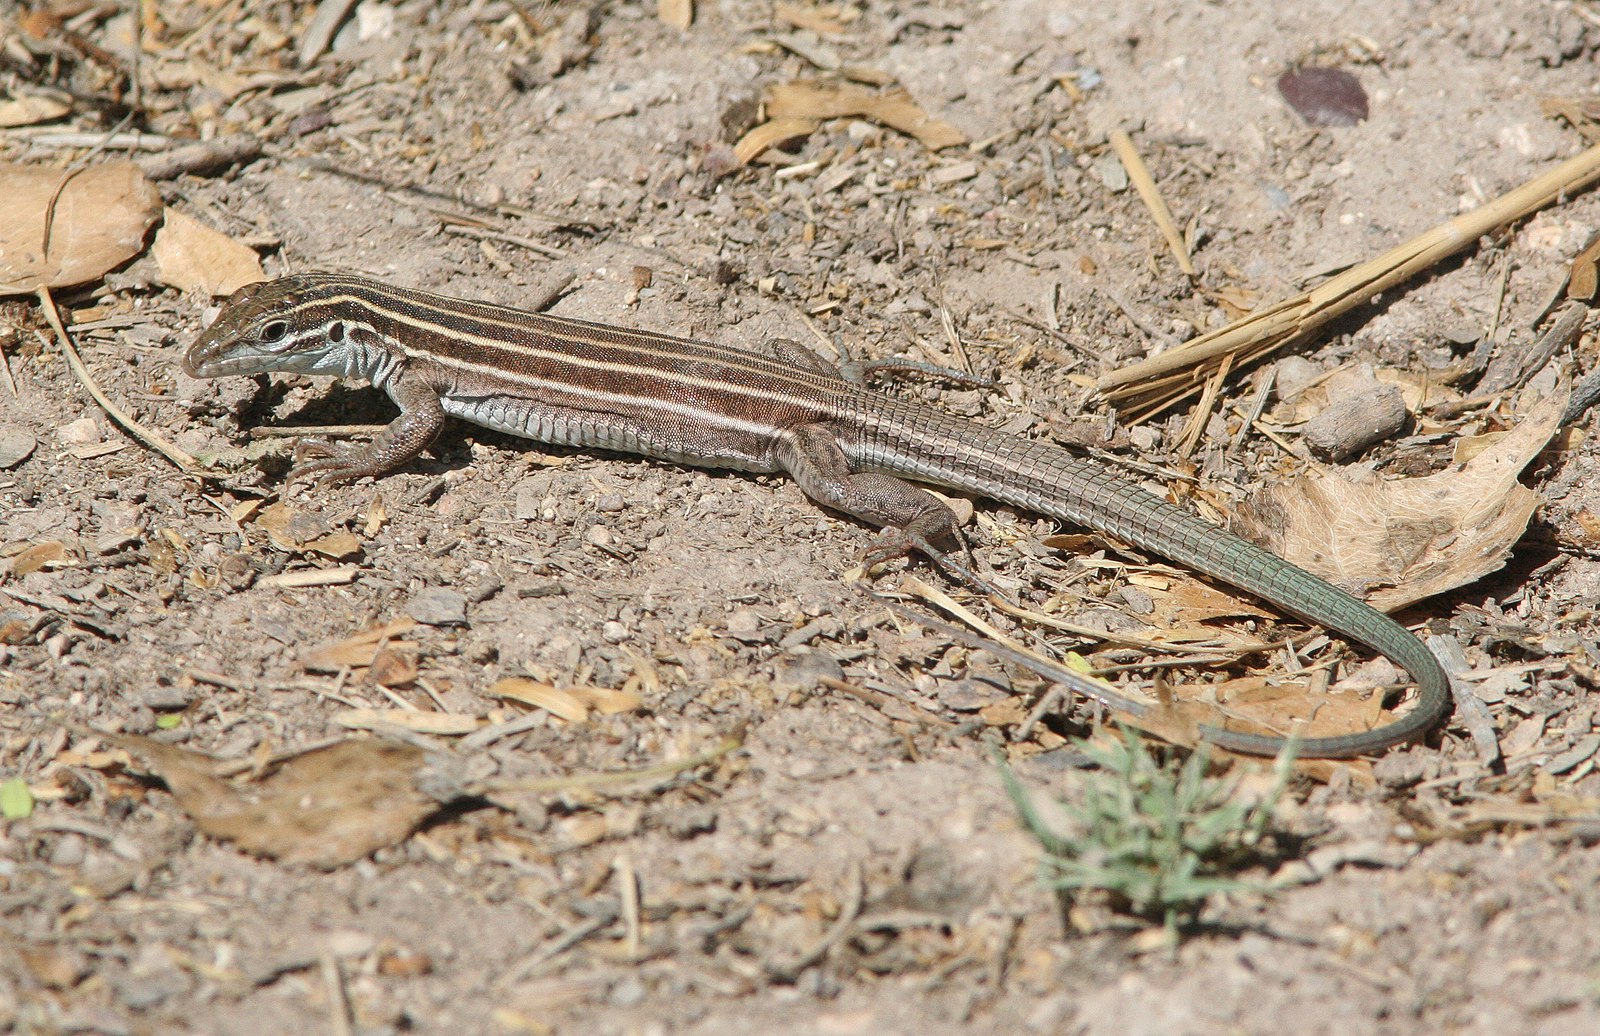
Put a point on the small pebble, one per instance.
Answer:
(436, 606)
(16, 443)
(82, 432)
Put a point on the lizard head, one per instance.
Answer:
(291, 324)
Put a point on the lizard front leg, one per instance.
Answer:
(402, 440)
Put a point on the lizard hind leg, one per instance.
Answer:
(913, 520)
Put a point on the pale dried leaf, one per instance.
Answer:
(677, 13)
(291, 529)
(99, 222)
(606, 701)
(797, 108)
(25, 111)
(770, 134)
(340, 546)
(193, 257)
(561, 703)
(829, 20)
(1401, 541)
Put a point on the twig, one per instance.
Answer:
(1583, 397)
(628, 892)
(1122, 144)
(788, 971)
(338, 1002)
(1004, 648)
(1511, 371)
(510, 239)
(1169, 375)
(601, 780)
(530, 965)
(178, 457)
(203, 157)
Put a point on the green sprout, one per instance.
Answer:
(1160, 838)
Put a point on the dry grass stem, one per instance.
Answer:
(1139, 174)
(1152, 384)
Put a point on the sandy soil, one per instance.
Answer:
(1453, 897)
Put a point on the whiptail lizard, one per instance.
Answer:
(576, 383)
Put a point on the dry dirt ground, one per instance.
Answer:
(1453, 896)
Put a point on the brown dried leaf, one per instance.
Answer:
(326, 808)
(289, 528)
(770, 134)
(1190, 603)
(393, 668)
(99, 222)
(818, 100)
(193, 257)
(1584, 279)
(58, 967)
(38, 556)
(1401, 541)
(359, 651)
(606, 701)
(797, 108)
(340, 546)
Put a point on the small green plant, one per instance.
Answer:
(1160, 837)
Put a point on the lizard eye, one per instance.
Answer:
(274, 331)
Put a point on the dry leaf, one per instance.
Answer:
(443, 723)
(824, 21)
(814, 99)
(563, 704)
(606, 701)
(771, 134)
(1190, 603)
(289, 527)
(359, 651)
(99, 222)
(393, 668)
(1584, 279)
(25, 111)
(38, 556)
(1401, 541)
(677, 13)
(340, 546)
(193, 257)
(326, 808)
(797, 108)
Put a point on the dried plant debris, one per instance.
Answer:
(1324, 96)
(363, 650)
(193, 257)
(797, 108)
(97, 222)
(1398, 542)
(326, 808)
